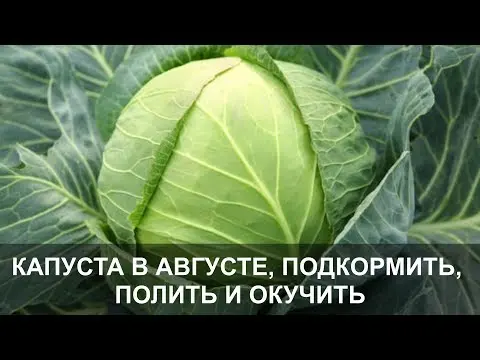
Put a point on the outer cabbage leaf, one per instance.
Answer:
(447, 170)
(25, 115)
(48, 203)
(96, 64)
(372, 77)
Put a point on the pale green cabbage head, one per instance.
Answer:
(216, 158)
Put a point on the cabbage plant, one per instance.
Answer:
(270, 151)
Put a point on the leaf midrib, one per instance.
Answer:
(469, 222)
(280, 216)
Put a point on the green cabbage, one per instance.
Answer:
(216, 156)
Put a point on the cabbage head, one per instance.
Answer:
(234, 156)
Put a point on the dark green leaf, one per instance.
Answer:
(46, 204)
